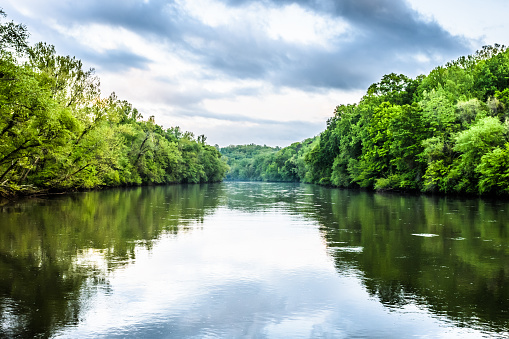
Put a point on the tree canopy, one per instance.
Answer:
(445, 132)
(57, 132)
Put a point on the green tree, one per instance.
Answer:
(474, 143)
(32, 125)
(12, 36)
(494, 171)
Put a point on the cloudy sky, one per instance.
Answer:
(265, 72)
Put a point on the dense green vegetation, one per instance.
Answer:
(57, 132)
(445, 132)
(264, 163)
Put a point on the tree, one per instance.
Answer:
(31, 124)
(494, 171)
(12, 36)
(71, 85)
(395, 88)
(472, 144)
(492, 74)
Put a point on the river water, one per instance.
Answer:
(253, 260)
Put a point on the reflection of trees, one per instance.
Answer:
(55, 252)
(260, 196)
(34, 296)
(462, 273)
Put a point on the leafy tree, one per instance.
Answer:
(494, 171)
(12, 36)
(57, 132)
(395, 88)
(31, 124)
(492, 74)
(473, 143)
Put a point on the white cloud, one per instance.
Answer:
(286, 104)
(98, 37)
(290, 23)
(478, 20)
(295, 24)
(210, 12)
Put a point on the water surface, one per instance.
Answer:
(260, 260)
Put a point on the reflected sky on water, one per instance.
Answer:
(259, 260)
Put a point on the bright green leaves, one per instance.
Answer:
(444, 132)
(397, 89)
(473, 144)
(29, 120)
(453, 166)
(492, 74)
(438, 112)
(71, 85)
(389, 157)
(481, 138)
(56, 132)
(494, 171)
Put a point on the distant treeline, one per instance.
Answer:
(264, 163)
(57, 132)
(447, 132)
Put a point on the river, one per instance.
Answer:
(253, 260)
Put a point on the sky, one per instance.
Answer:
(264, 72)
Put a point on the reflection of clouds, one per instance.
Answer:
(212, 279)
(91, 258)
(262, 273)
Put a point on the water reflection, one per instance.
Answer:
(55, 253)
(253, 260)
(450, 255)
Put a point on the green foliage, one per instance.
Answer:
(494, 171)
(443, 132)
(492, 74)
(264, 163)
(57, 132)
(247, 162)
(472, 144)
(394, 88)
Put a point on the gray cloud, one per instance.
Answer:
(156, 17)
(381, 30)
(117, 60)
(384, 36)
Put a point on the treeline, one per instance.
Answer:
(446, 132)
(57, 132)
(264, 163)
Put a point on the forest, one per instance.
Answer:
(445, 132)
(263, 163)
(57, 133)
